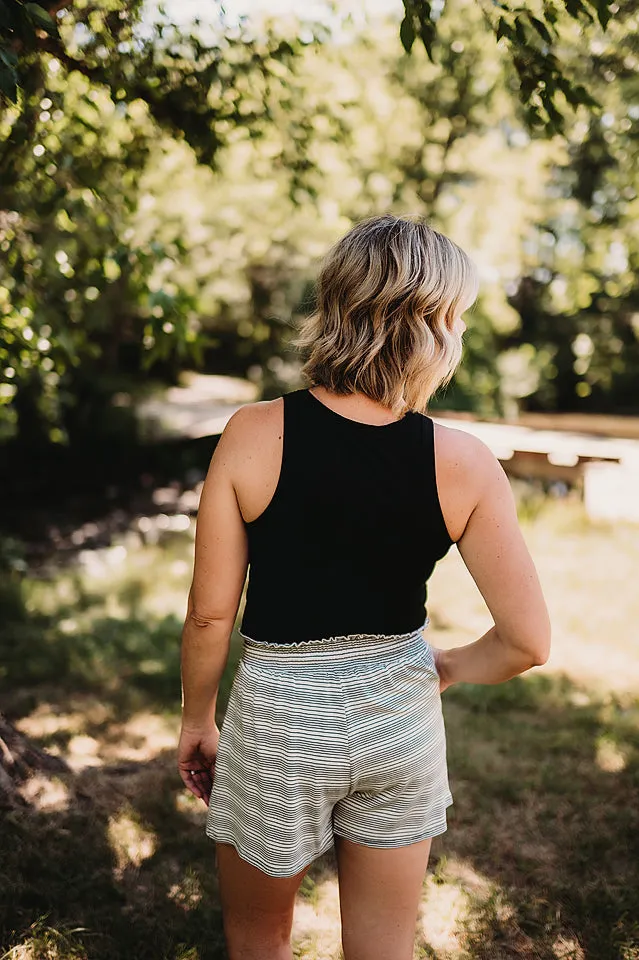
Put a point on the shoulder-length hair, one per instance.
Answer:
(388, 294)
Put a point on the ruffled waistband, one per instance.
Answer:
(350, 646)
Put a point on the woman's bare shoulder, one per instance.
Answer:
(255, 423)
(251, 450)
(461, 449)
(464, 465)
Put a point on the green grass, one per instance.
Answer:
(541, 859)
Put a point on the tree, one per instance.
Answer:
(578, 296)
(93, 105)
(105, 273)
(534, 39)
(532, 34)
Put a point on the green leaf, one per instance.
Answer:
(550, 12)
(520, 31)
(8, 84)
(7, 21)
(504, 29)
(577, 7)
(421, 12)
(407, 34)
(555, 117)
(9, 58)
(427, 32)
(603, 12)
(603, 16)
(584, 96)
(568, 91)
(541, 28)
(41, 17)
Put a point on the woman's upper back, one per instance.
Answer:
(259, 451)
(344, 519)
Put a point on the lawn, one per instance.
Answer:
(108, 860)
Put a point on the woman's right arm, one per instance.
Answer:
(494, 550)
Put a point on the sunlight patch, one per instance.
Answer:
(316, 925)
(464, 874)
(190, 807)
(143, 736)
(130, 841)
(82, 751)
(609, 756)
(187, 893)
(45, 722)
(452, 894)
(23, 951)
(45, 793)
(45, 943)
(47, 719)
(30, 951)
(567, 949)
(443, 916)
(579, 698)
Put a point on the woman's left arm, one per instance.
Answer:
(221, 561)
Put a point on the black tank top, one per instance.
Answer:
(352, 532)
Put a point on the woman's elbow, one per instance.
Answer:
(541, 648)
(201, 618)
(532, 642)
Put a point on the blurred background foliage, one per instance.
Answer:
(167, 191)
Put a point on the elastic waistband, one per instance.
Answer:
(352, 647)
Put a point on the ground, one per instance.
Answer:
(108, 860)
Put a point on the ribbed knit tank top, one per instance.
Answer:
(352, 533)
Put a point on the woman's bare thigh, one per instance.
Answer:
(380, 892)
(257, 909)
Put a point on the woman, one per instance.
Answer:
(343, 497)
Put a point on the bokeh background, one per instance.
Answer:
(170, 176)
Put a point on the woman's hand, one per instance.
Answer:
(440, 665)
(196, 755)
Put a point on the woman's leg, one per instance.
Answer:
(380, 891)
(257, 909)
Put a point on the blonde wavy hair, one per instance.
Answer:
(388, 295)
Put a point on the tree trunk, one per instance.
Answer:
(19, 758)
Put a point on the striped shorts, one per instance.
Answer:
(343, 735)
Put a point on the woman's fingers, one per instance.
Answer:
(204, 782)
(198, 780)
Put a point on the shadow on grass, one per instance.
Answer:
(106, 860)
(544, 774)
(130, 661)
(545, 777)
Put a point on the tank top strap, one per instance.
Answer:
(296, 439)
(427, 427)
(294, 403)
